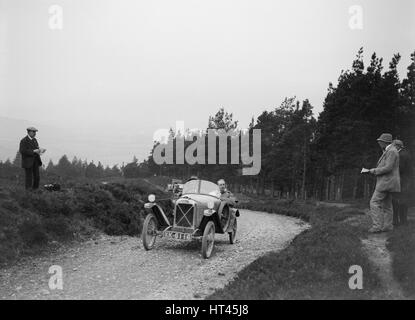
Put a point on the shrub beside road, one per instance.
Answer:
(30, 221)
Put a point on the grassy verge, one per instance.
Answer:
(285, 207)
(30, 221)
(401, 244)
(314, 266)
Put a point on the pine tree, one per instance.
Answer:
(406, 110)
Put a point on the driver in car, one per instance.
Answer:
(225, 194)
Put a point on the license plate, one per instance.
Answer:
(178, 235)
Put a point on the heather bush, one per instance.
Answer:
(30, 220)
(33, 232)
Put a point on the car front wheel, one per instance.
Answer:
(149, 233)
(208, 240)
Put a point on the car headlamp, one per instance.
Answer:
(151, 198)
(210, 205)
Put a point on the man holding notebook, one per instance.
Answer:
(30, 151)
(387, 183)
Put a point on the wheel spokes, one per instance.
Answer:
(151, 227)
(151, 231)
(211, 239)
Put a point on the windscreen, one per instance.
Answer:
(206, 187)
(191, 187)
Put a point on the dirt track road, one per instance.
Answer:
(119, 268)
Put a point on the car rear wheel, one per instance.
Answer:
(149, 233)
(232, 234)
(208, 240)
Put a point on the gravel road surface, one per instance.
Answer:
(119, 267)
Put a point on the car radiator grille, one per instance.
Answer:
(184, 215)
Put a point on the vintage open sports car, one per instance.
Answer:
(198, 214)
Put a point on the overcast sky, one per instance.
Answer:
(126, 68)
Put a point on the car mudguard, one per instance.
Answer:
(159, 214)
(215, 218)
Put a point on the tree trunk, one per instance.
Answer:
(304, 168)
(356, 181)
(339, 187)
(333, 187)
(327, 188)
(257, 186)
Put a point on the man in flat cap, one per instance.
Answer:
(401, 200)
(30, 151)
(387, 183)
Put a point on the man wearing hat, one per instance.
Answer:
(401, 201)
(30, 151)
(387, 183)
